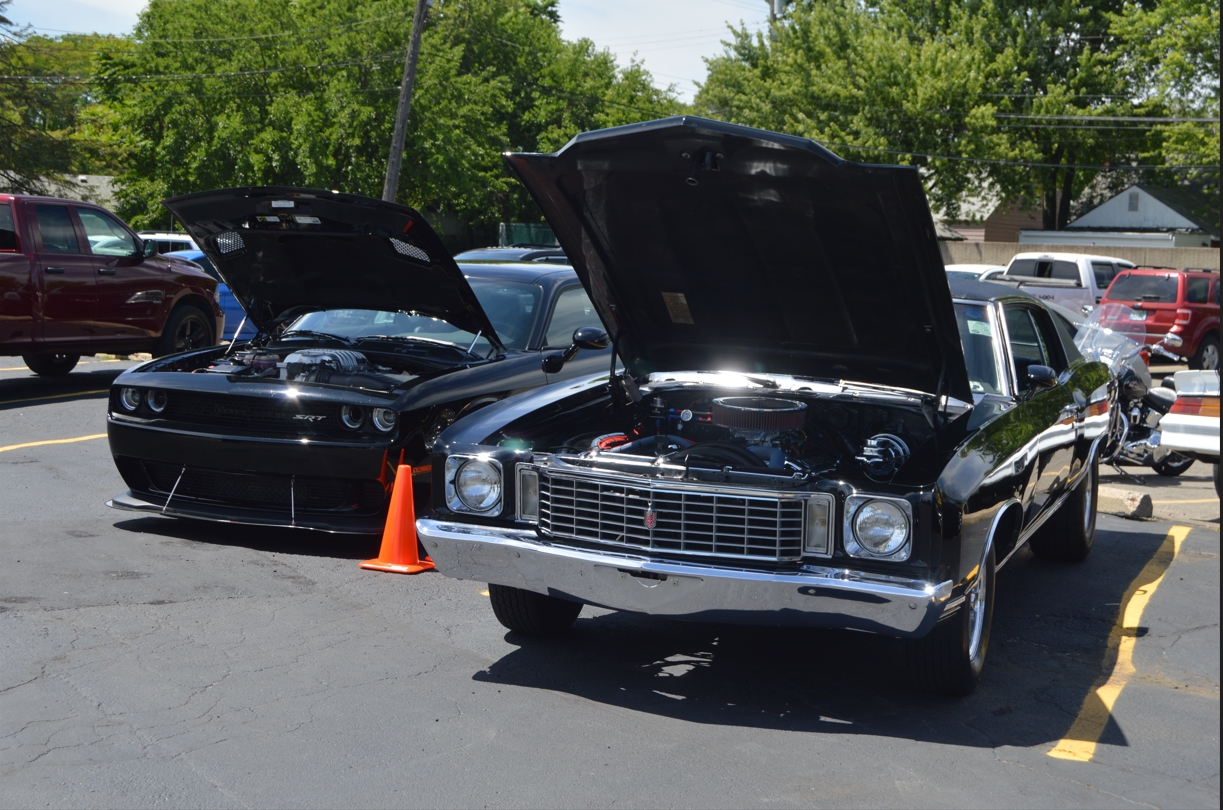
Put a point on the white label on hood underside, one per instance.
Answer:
(308, 220)
(677, 307)
(282, 203)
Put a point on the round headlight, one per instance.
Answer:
(352, 416)
(130, 398)
(158, 400)
(881, 528)
(478, 485)
(384, 419)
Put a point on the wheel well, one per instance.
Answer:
(199, 303)
(1006, 531)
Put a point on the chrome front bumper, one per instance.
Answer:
(816, 596)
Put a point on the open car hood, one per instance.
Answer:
(278, 248)
(710, 246)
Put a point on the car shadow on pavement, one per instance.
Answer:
(1049, 648)
(31, 391)
(258, 538)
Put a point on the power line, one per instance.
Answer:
(224, 74)
(998, 162)
(1133, 119)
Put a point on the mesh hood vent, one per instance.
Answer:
(411, 251)
(229, 242)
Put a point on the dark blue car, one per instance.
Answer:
(234, 316)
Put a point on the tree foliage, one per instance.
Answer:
(993, 97)
(44, 127)
(216, 93)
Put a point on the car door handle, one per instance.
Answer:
(106, 271)
(54, 271)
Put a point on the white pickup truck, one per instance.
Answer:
(1073, 280)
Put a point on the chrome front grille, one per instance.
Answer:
(749, 526)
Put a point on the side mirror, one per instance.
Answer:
(591, 338)
(1041, 377)
(1172, 339)
(150, 249)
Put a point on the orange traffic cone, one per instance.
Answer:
(398, 554)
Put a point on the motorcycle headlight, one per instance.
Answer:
(130, 398)
(384, 419)
(352, 416)
(879, 528)
(158, 400)
(473, 484)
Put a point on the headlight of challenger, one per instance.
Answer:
(473, 484)
(130, 398)
(878, 527)
(384, 419)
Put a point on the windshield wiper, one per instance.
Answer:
(312, 333)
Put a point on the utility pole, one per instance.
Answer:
(395, 159)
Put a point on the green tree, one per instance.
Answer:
(42, 105)
(216, 93)
(999, 97)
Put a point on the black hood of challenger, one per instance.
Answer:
(706, 246)
(279, 248)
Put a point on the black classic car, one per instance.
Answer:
(371, 340)
(811, 428)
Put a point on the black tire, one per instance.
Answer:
(947, 661)
(51, 365)
(1207, 356)
(1172, 465)
(1215, 473)
(531, 613)
(187, 328)
(1068, 534)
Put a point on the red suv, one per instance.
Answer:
(1186, 304)
(75, 280)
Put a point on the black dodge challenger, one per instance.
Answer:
(812, 428)
(371, 340)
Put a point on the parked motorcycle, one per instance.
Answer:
(1115, 334)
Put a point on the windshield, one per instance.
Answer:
(511, 307)
(980, 348)
(1141, 287)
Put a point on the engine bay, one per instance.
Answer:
(788, 434)
(343, 367)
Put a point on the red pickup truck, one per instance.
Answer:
(74, 280)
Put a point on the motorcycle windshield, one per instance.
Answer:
(1112, 334)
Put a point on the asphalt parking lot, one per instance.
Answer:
(151, 662)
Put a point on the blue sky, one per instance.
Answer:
(670, 36)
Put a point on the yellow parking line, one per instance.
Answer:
(1194, 500)
(53, 441)
(53, 396)
(1080, 742)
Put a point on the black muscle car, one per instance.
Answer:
(812, 428)
(371, 340)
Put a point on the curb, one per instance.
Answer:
(1125, 503)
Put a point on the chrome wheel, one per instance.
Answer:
(1089, 504)
(1210, 358)
(976, 615)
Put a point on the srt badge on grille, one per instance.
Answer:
(309, 417)
(651, 518)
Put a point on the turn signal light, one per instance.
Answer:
(1196, 406)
